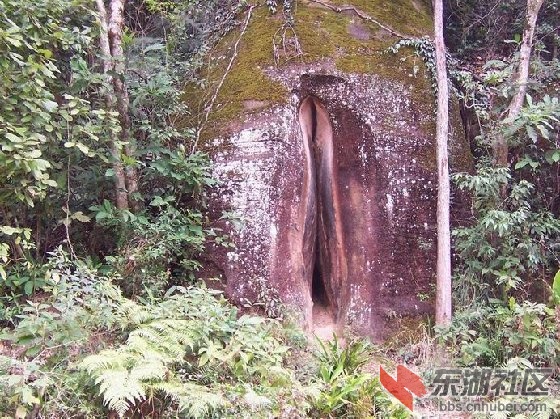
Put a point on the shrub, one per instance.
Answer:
(346, 391)
(491, 335)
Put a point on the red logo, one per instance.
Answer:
(406, 384)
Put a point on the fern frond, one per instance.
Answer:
(121, 406)
(255, 401)
(198, 401)
(172, 389)
(154, 358)
(148, 334)
(141, 347)
(168, 343)
(120, 390)
(149, 370)
(105, 360)
(133, 313)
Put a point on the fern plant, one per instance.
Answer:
(173, 340)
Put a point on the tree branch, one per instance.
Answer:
(361, 14)
(500, 146)
(533, 7)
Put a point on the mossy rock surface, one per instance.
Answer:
(374, 114)
(349, 43)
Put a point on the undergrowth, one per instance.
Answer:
(87, 350)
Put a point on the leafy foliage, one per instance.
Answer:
(55, 134)
(46, 122)
(22, 383)
(38, 108)
(101, 312)
(491, 335)
(162, 241)
(50, 333)
(556, 289)
(481, 28)
(188, 352)
(347, 391)
(125, 376)
(423, 48)
(510, 238)
(187, 331)
(507, 252)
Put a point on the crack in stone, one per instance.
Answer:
(322, 245)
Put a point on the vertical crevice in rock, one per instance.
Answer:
(323, 250)
(318, 290)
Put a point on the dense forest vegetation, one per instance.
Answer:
(103, 220)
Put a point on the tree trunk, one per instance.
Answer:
(116, 24)
(121, 195)
(443, 288)
(520, 80)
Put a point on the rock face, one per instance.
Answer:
(333, 172)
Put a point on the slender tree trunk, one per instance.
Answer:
(443, 286)
(116, 24)
(555, 36)
(533, 8)
(121, 195)
(520, 80)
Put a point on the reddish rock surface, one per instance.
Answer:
(336, 194)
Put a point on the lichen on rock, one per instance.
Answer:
(322, 34)
(381, 111)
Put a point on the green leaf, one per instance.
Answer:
(47, 53)
(28, 288)
(21, 412)
(556, 289)
(83, 148)
(532, 133)
(34, 154)
(50, 106)
(521, 164)
(81, 217)
(552, 156)
(544, 131)
(27, 396)
(33, 350)
(9, 230)
(157, 201)
(14, 138)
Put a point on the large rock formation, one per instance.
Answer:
(324, 145)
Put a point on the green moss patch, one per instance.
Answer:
(400, 15)
(246, 81)
(323, 34)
